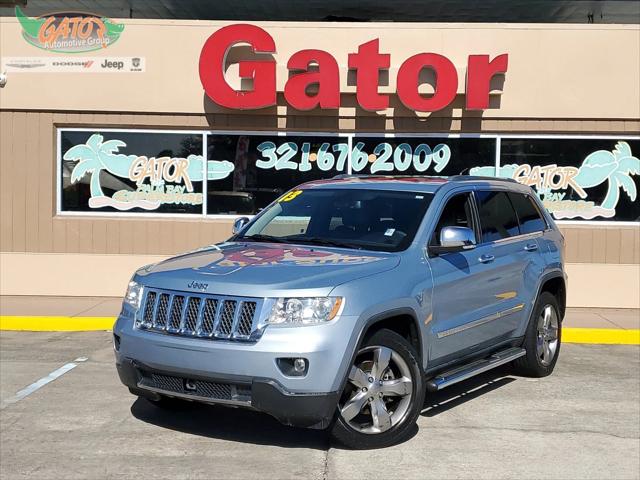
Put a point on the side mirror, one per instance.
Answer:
(454, 239)
(239, 224)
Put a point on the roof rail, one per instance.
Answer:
(357, 175)
(475, 178)
(452, 178)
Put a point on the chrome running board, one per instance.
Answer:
(459, 374)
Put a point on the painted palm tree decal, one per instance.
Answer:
(616, 167)
(552, 182)
(91, 158)
(158, 180)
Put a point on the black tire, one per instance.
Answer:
(533, 364)
(406, 411)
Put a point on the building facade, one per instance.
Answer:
(120, 148)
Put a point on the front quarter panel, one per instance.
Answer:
(406, 290)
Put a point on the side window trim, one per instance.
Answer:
(477, 229)
(515, 210)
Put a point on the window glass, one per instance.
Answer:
(263, 167)
(497, 218)
(420, 155)
(576, 178)
(108, 171)
(456, 213)
(355, 218)
(528, 214)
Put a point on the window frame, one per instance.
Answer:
(475, 218)
(350, 137)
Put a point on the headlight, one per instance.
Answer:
(304, 311)
(134, 294)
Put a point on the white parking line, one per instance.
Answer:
(42, 382)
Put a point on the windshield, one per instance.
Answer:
(359, 219)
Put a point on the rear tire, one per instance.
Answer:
(542, 339)
(383, 396)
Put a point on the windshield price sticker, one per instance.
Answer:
(287, 197)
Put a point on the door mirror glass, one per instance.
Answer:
(239, 224)
(454, 239)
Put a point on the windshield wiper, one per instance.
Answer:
(324, 241)
(259, 237)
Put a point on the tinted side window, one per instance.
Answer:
(528, 214)
(497, 217)
(456, 213)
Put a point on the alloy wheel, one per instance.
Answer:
(547, 335)
(379, 391)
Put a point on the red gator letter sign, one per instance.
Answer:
(367, 63)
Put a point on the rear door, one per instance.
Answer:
(513, 254)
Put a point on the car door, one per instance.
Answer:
(477, 294)
(460, 295)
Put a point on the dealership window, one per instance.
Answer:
(115, 171)
(161, 172)
(266, 166)
(578, 178)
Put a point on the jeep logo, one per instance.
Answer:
(109, 64)
(198, 285)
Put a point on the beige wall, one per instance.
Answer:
(555, 71)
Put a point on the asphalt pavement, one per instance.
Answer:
(582, 422)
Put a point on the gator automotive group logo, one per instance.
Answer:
(69, 32)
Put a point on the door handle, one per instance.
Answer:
(531, 247)
(486, 258)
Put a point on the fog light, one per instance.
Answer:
(299, 365)
(293, 367)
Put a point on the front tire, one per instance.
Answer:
(383, 396)
(542, 339)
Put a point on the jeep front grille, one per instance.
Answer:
(198, 315)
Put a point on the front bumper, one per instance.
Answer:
(151, 364)
(300, 410)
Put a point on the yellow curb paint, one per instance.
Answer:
(56, 324)
(72, 324)
(608, 336)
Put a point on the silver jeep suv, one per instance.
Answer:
(345, 300)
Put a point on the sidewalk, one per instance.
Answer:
(581, 325)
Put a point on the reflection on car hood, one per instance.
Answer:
(264, 269)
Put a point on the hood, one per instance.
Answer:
(265, 269)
